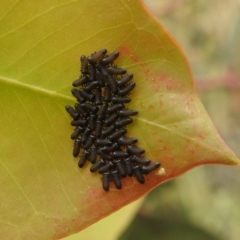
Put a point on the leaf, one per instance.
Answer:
(43, 193)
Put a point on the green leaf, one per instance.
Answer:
(43, 193)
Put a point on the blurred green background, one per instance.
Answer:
(203, 204)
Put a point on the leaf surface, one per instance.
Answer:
(43, 193)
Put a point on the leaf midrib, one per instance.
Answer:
(34, 88)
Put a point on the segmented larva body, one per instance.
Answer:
(100, 119)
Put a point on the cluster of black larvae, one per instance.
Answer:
(100, 119)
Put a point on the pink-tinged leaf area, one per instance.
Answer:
(44, 195)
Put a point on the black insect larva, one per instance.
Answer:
(153, 166)
(110, 58)
(124, 80)
(112, 84)
(82, 80)
(79, 122)
(76, 147)
(98, 96)
(108, 131)
(98, 56)
(140, 160)
(106, 180)
(127, 89)
(109, 79)
(104, 155)
(110, 120)
(128, 166)
(135, 150)
(138, 174)
(121, 100)
(116, 179)
(84, 65)
(92, 122)
(103, 142)
(120, 154)
(127, 113)
(77, 132)
(93, 154)
(86, 95)
(97, 165)
(103, 70)
(108, 149)
(92, 73)
(106, 168)
(85, 135)
(78, 96)
(107, 93)
(102, 111)
(83, 158)
(90, 142)
(115, 107)
(98, 129)
(91, 86)
(120, 168)
(72, 112)
(123, 122)
(81, 110)
(117, 134)
(89, 107)
(116, 71)
(100, 78)
(127, 141)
